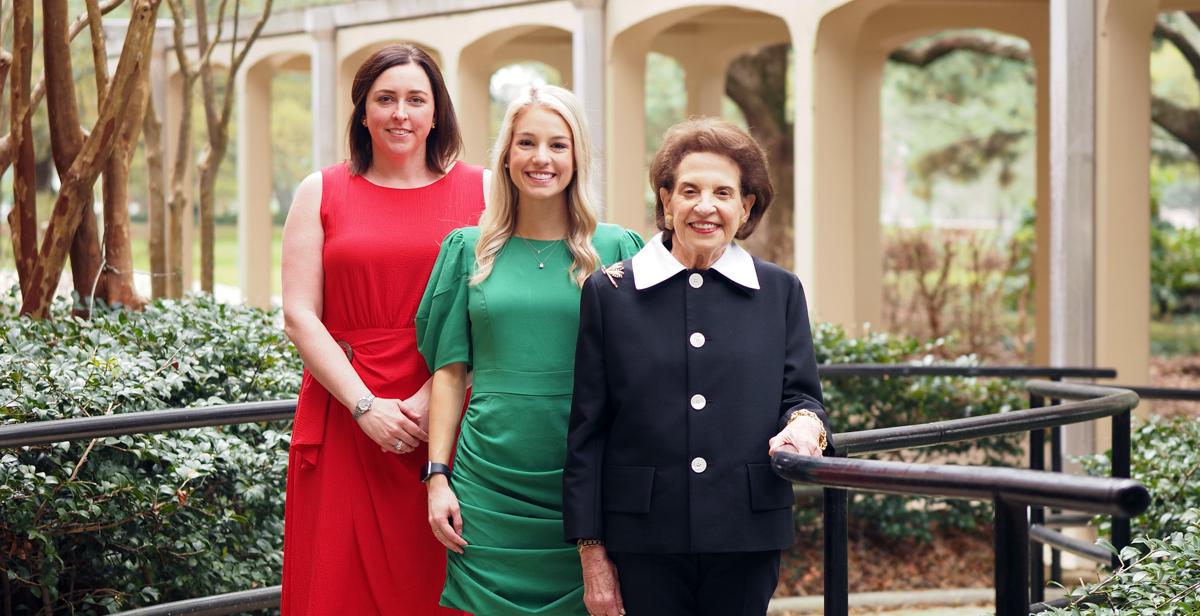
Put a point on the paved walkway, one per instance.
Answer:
(937, 602)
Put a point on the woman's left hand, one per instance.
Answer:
(801, 436)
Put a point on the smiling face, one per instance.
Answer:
(541, 157)
(706, 207)
(399, 112)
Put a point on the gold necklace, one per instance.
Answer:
(537, 254)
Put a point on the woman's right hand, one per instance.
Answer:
(393, 426)
(601, 590)
(445, 517)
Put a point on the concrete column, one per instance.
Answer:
(1122, 215)
(704, 78)
(835, 181)
(803, 27)
(319, 22)
(587, 79)
(254, 183)
(471, 91)
(625, 130)
(1072, 195)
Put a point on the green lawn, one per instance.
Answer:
(225, 267)
(1180, 335)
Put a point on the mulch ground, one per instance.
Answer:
(1174, 372)
(954, 559)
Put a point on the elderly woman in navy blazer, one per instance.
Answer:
(694, 364)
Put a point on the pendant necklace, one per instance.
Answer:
(537, 253)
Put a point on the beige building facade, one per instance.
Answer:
(1093, 135)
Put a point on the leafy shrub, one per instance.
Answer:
(91, 527)
(1166, 459)
(864, 403)
(1159, 576)
(1174, 269)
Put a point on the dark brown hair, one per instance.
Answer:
(717, 137)
(444, 142)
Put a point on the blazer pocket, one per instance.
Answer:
(768, 490)
(627, 489)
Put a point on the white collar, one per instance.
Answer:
(654, 264)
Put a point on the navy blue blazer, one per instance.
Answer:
(667, 448)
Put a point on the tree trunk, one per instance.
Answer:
(217, 124)
(177, 205)
(207, 167)
(156, 188)
(68, 208)
(209, 164)
(22, 220)
(66, 140)
(118, 255)
(757, 83)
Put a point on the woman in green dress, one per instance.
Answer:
(503, 305)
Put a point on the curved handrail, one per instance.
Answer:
(1107, 402)
(54, 430)
(215, 605)
(1121, 497)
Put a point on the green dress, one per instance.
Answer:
(517, 331)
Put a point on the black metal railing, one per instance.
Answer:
(1011, 491)
(836, 499)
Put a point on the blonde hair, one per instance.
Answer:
(499, 220)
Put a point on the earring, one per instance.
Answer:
(506, 165)
(364, 121)
(434, 125)
(670, 220)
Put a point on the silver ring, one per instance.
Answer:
(399, 446)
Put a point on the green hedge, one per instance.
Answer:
(1160, 573)
(92, 527)
(1166, 459)
(1159, 576)
(863, 403)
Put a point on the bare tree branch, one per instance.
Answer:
(944, 46)
(1182, 123)
(81, 177)
(1177, 38)
(39, 91)
(99, 54)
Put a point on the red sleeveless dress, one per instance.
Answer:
(356, 539)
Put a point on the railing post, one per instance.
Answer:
(1120, 468)
(1037, 515)
(1012, 558)
(1056, 465)
(837, 567)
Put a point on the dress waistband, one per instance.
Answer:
(496, 380)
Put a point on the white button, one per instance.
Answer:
(699, 465)
(698, 402)
(697, 339)
(696, 280)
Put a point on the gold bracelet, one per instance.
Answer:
(583, 544)
(822, 440)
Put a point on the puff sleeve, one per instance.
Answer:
(443, 325)
(629, 244)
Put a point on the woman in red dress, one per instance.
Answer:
(358, 247)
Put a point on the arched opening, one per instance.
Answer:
(1174, 176)
(958, 193)
(492, 69)
(692, 62)
(509, 81)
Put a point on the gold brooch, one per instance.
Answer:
(614, 271)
